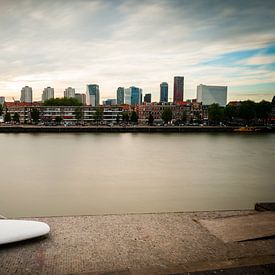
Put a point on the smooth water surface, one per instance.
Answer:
(87, 173)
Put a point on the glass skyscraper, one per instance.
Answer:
(93, 95)
(120, 95)
(164, 92)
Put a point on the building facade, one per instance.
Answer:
(93, 95)
(69, 92)
(208, 95)
(26, 94)
(81, 98)
(147, 98)
(178, 89)
(2, 100)
(48, 93)
(110, 102)
(120, 95)
(163, 92)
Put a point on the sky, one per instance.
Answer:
(138, 43)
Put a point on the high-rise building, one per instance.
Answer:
(133, 96)
(2, 100)
(120, 95)
(208, 95)
(93, 96)
(148, 98)
(109, 102)
(69, 92)
(178, 88)
(26, 94)
(47, 94)
(81, 98)
(164, 92)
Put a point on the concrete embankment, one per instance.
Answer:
(118, 129)
(163, 243)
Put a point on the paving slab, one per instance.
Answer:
(164, 243)
(242, 228)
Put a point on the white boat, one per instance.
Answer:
(19, 230)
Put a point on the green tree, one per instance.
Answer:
(98, 115)
(184, 117)
(215, 113)
(230, 112)
(78, 113)
(1, 110)
(125, 117)
(167, 115)
(62, 102)
(58, 120)
(7, 117)
(16, 118)
(150, 119)
(247, 111)
(263, 110)
(35, 115)
(134, 117)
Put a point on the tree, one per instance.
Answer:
(184, 117)
(215, 113)
(35, 115)
(78, 113)
(167, 115)
(247, 111)
(230, 112)
(263, 110)
(134, 117)
(16, 118)
(58, 120)
(98, 115)
(7, 117)
(1, 110)
(150, 119)
(62, 102)
(125, 117)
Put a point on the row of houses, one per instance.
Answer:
(87, 114)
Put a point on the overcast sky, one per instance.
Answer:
(138, 43)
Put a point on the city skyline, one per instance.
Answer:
(69, 43)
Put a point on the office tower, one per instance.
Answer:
(81, 98)
(69, 92)
(178, 88)
(164, 92)
(109, 102)
(120, 95)
(148, 98)
(93, 95)
(212, 94)
(26, 94)
(47, 94)
(133, 96)
(2, 100)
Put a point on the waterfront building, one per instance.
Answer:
(148, 98)
(178, 88)
(164, 92)
(2, 100)
(26, 94)
(93, 95)
(81, 98)
(120, 95)
(69, 92)
(133, 96)
(47, 94)
(110, 102)
(208, 95)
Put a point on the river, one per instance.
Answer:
(108, 173)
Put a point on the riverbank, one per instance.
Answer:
(164, 243)
(124, 129)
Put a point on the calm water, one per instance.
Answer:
(68, 174)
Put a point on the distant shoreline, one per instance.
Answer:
(127, 129)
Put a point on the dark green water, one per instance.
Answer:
(72, 174)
